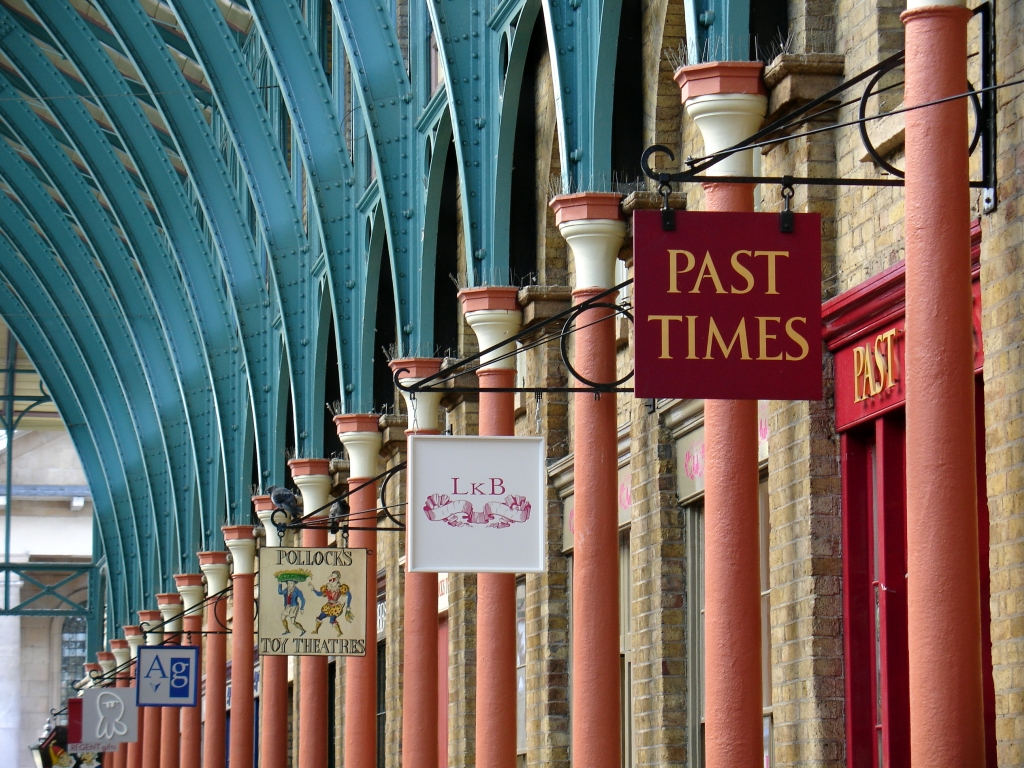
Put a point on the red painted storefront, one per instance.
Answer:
(864, 330)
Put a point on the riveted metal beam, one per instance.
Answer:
(583, 41)
(318, 127)
(225, 214)
(164, 311)
(390, 104)
(280, 216)
(93, 384)
(201, 269)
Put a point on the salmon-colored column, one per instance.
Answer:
(726, 100)
(170, 721)
(240, 542)
(273, 672)
(943, 610)
(122, 657)
(591, 224)
(190, 587)
(360, 434)
(419, 656)
(214, 566)
(134, 637)
(154, 720)
(494, 315)
(313, 478)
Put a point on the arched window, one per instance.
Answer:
(73, 636)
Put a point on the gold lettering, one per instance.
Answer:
(868, 379)
(665, 320)
(741, 335)
(742, 272)
(800, 340)
(764, 336)
(673, 268)
(707, 269)
(880, 362)
(691, 337)
(858, 370)
(771, 269)
(891, 374)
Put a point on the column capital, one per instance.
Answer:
(422, 411)
(242, 545)
(493, 313)
(727, 100)
(264, 509)
(592, 225)
(89, 669)
(121, 650)
(314, 485)
(171, 607)
(190, 587)
(360, 434)
(134, 637)
(106, 661)
(147, 619)
(214, 566)
(305, 467)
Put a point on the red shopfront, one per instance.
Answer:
(863, 328)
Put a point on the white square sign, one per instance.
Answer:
(476, 504)
(101, 719)
(167, 676)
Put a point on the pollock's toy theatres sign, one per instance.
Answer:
(727, 306)
(312, 601)
(476, 504)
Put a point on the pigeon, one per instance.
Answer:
(339, 511)
(285, 499)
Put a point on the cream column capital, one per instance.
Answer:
(190, 587)
(106, 661)
(134, 637)
(171, 607)
(242, 546)
(591, 224)
(148, 619)
(214, 566)
(122, 652)
(494, 315)
(363, 449)
(423, 409)
(314, 482)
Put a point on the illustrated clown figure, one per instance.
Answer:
(339, 602)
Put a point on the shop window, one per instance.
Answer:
(521, 667)
(875, 592)
(696, 644)
(382, 712)
(73, 637)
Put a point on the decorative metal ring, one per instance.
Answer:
(381, 500)
(563, 343)
(661, 177)
(863, 126)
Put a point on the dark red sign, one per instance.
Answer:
(727, 306)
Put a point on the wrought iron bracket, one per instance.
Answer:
(557, 327)
(982, 99)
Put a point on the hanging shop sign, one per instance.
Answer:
(167, 676)
(101, 719)
(312, 601)
(476, 504)
(727, 306)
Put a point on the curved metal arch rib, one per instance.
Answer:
(118, 371)
(159, 369)
(583, 41)
(201, 269)
(92, 380)
(34, 341)
(207, 169)
(310, 105)
(267, 173)
(389, 105)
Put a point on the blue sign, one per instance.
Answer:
(167, 676)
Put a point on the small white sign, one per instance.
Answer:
(104, 718)
(167, 676)
(476, 504)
